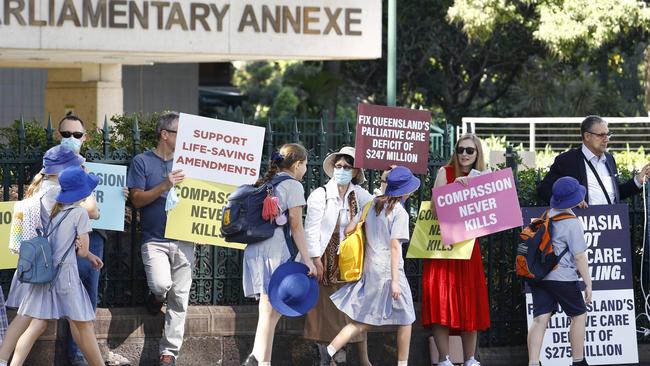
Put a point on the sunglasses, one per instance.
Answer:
(67, 134)
(467, 150)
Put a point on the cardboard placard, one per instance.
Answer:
(110, 195)
(426, 241)
(218, 151)
(388, 136)
(487, 205)
(8, 260)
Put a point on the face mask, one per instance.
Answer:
(72, 144)
(342, 176)
(172, 199)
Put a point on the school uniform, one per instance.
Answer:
(370, 300)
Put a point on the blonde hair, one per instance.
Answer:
(479, 163)
(290, 153)
(36, 183)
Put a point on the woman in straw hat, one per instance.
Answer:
(329, 209)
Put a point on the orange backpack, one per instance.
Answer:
(535, 256)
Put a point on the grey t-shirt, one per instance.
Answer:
(567, 232)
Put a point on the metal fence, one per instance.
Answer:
(217, 274)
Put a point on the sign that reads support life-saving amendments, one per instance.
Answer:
(427, 243)
(218, 151)
(110, 195)
(610, 336)
(388, 136)
(197, 216)
(488, 204)
(8, 260)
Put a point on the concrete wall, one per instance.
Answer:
(22, 92)
(161, 87)
(146, 89)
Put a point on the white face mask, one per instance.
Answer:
(342, 176)
(71, 143)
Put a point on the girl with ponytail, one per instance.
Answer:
(261, 259)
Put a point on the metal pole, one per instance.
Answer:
(391, 84)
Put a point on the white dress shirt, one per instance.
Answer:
(596, 194)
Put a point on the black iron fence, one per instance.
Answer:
(217, 274)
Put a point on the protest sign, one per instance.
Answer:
(218, 151)
(427, 243)
(197, 216)
(8, 260)
(110, 195)
(392, 136)
(611, 327)
(488, 204)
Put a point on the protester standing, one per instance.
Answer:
(454, 292)
(329, 210)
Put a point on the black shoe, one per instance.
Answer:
(250, 361)
(581, 363)
(153, 305)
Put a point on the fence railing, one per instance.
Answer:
(558, 132)
(217, 274)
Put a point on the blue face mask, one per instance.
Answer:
(172, 199)
(342, 176)
(71, 143)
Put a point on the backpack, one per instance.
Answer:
(352, 251)
(535, 256)
(241, 219)
(35, 262)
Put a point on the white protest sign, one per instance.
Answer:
(218, 151)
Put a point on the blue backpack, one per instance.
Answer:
(35, 262)
(241, 219)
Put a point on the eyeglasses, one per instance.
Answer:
(170, 131)
(67, 134)
(602, 135)
(344, 167)
(467, 150)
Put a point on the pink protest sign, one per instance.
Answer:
(489, 204)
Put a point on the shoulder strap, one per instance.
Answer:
(562, 217)
(600, 182)
(279, 179)
(366, 208)
(47, 233)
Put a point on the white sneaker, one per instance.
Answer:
(446, 362)
(472, 362)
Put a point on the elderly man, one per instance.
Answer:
(593, 167)
(168, 263)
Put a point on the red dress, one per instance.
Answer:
(454, 292)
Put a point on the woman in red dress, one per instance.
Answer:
(454, 292)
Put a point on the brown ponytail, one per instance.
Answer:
(387, 202)
(283, 159)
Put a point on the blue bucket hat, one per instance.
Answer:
(401, 181)
(567, 193)
(291, 291)
(58, 158)
(75, 184)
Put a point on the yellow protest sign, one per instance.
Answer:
(197, 216)
(8, 260)
(426, 241)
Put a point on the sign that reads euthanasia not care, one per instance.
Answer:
(488, 204)
(218, 151)
(610, 337)
(392, 136)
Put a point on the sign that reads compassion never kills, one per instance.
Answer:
(261, 28)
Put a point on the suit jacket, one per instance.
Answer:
(571, 163)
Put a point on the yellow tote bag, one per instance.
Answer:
(426, 241)
(351, 251)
